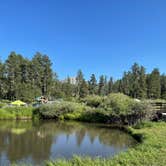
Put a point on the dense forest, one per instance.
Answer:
(25, 79)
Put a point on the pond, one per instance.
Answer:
(26, 142)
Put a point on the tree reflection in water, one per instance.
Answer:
(24, 141)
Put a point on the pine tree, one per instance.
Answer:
(101, 85)
(68, 88)
(3, 81)
(163, 86)
(126, 83)
(83, 89)
(135, 77)
(154, 86)
(92, 85)
(56, 88)
(142, 82)
(106, 91)
(13, 74)
(110, 85)
(42, 72)
(79, 82)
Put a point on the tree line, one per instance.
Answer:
(25, 79)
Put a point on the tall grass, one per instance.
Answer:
(16, 112)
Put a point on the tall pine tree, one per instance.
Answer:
(154, 86)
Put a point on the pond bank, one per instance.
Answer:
(151, 151)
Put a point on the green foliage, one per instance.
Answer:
(134, 82)
(2, 105)
(93, 100)
(83, 89)
(16, 112)
(110, 85)
(154, 85)
(92, 85)
(98, 115)
(117, 104)
(144, 124)
(102, 90)
(61, 110)
(163, 87)
(115, 108)
(26, 79)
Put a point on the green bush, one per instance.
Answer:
(61, 110)
(115, 108)
(16, 112)
(98, 115)
(93, 100)
(118, 104)
(2, 105)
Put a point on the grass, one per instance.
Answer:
(16, 113)
(150, 152)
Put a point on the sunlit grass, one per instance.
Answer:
(16, 113)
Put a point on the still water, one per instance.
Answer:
(26, 142)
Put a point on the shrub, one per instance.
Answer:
(124, 110)
(16, 112)
(2, 105)
(61, 109)
(118, 104)
(98, 115)
(115, 108)
(93, 100)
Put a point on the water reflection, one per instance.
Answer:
(22, 141)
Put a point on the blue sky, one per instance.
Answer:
(97, 36)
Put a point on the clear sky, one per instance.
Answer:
(97, 36)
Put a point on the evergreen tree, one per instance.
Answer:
(83, 89)
(110, 85)
(163, 86)
(79, 81)
(92, 85)
(135, 78)
(68, 88)
(134, 82)
(106, 91)
(154, 87)
(13, 72)
(126, 83)
(116, 86)
(25, 79)
(42, 72)
(101, 90)
(3, 81)
(142, 82)
(56, 88)
(120, 87)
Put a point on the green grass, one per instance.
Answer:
(150, 152)
(16, 113)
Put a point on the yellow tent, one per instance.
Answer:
(18, 103)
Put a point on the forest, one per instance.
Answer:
(25, 79)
